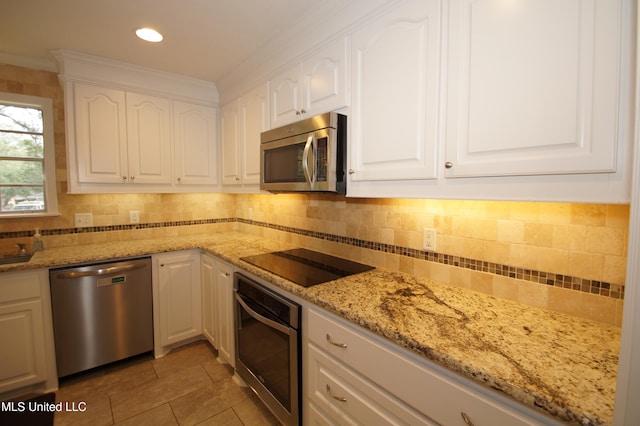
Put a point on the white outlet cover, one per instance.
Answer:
(429, 238)
(83, 220)
(134, 216)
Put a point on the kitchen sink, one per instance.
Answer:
(6, 259)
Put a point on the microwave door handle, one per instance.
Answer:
(305, 159)
(314, 162)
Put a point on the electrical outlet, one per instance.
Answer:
(429, 238)
(82, 220)
(134, 216)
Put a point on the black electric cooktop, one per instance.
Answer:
(306, 267)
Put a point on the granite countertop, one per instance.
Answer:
(564, 365)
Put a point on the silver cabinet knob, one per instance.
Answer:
(179, 179)
(351, 171)
(448, 165)
(124, 178)
(132, 178)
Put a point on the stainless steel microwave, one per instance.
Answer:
(306, 156)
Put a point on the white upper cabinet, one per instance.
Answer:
(533, 87)
(230, 143)
(395, 94)
(135, 129)
(195, 128)
(254, 119)
(122, 137)
(242, 121)
(100, 151)
(149, 139)
(317, 85)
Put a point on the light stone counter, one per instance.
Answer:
(561, 364)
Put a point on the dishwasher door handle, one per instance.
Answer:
(99, 271)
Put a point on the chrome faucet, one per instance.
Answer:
(22, 248)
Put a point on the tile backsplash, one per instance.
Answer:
(562, 256)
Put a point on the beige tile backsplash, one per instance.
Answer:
(579, 240)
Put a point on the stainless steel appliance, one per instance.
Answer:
(306, 267)
(268, 347)
(309, 155)
(101, 313)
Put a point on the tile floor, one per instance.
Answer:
(188, 386)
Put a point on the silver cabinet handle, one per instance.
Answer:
(337, 398)
(466, 418)
(179, 179)
(448, 165)
(124, 178)
(132, 178)
(340, 345)
(351, 171)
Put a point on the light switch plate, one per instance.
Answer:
(82, 220)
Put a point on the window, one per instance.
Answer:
(27, 159)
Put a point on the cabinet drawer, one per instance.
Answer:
(19, 285)
(351, 400)
(423, 386)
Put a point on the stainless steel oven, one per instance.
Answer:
(268, 347)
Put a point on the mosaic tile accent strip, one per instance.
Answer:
(615, 291)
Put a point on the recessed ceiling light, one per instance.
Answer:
(149, 34)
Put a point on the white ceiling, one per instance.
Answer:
(204, 39)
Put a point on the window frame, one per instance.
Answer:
(49, 163)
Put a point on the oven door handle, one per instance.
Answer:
(264, 320)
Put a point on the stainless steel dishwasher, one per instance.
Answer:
(101, 313)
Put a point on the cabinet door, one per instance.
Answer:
(149, 139)
(195, 144)
(100, 134)
(533, 87)
(324, 77)
(395, 94)
(224, 305)
(23, 345)
(180, 296)
(230, 144)
(285, 92)
(209, 309)
(254, 119)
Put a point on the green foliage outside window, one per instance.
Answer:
(21, 159)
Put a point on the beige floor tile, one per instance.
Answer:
(208, 401)
(159, 416)
(183, 357)
(102, 383)
(187, 386)
(253, 413)
(97, 413)
(226, 418)
(142, 398)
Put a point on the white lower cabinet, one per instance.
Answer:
(354, 377)
(26, 331)
(177, 301)
(217, 307)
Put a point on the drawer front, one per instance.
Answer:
(351, 400)
(419, 385)
(20, 285)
